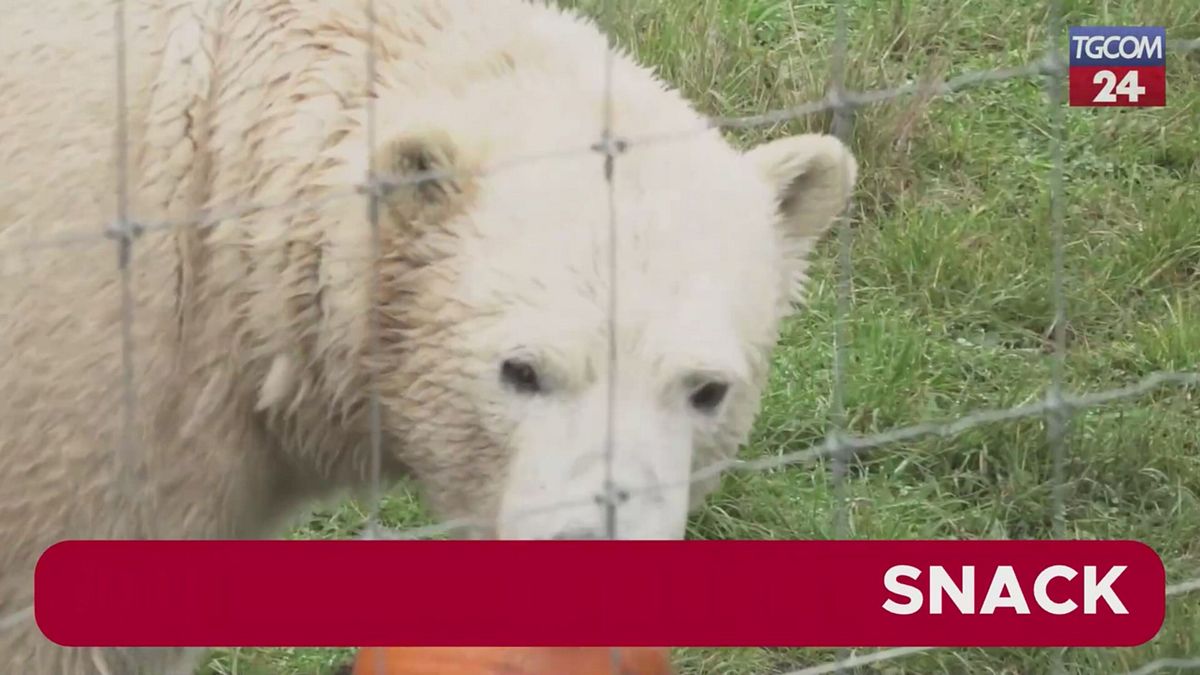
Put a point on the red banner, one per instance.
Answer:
(600, 593)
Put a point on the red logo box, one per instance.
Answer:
(1117, 86)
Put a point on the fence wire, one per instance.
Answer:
(1058, 417)
(839, 446)
(610, 147)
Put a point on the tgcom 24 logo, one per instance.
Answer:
(1117, 66)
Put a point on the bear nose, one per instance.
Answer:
(579, 533)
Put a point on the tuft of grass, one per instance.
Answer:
(951, 304)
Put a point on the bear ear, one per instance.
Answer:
(813, 176)
(423, 178)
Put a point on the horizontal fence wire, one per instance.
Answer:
(216, 216)
(854, 445)
(838, 445)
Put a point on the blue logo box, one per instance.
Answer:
(1117, 46)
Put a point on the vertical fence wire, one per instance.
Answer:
(842, 125)
(609, 146)
(372, 362)
(842, 128)
(1058, 418)
(374, 421)
(127, 454)
(124, 232)
(1058, 413)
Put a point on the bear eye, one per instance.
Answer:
(520, 376)
(708, 396)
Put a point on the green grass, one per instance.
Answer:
(950, 304)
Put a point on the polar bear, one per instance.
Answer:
(555, 279)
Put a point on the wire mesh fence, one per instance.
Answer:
(839, 446)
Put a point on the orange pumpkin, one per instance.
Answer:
(511, 661)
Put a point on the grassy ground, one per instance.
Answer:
(950, 305)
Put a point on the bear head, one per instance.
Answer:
(568, 327)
